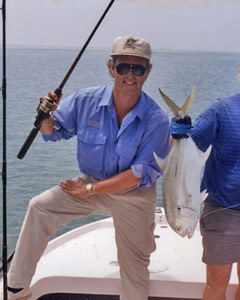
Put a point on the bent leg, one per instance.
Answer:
(133, 216)
(217, 282)
(46, 212)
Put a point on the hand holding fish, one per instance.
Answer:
(181, 127)
(182, 175)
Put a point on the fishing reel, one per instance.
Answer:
(44, 110)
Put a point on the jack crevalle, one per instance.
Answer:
(182, 170)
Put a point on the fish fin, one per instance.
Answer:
(179, 111)
(204, 155)
(162, 162)
(203, 195)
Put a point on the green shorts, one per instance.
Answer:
(220, 230)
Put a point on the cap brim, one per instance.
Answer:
(129, 54)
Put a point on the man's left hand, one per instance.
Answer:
(76, 189)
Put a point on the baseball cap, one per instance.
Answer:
(129, 45)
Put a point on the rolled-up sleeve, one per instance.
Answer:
(155, 139)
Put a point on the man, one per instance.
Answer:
(118, 127)
(219, 126)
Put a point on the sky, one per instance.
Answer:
(196, 25)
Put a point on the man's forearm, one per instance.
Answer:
(117, 183)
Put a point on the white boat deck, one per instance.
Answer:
(84, 261)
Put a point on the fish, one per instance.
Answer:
(182, 171)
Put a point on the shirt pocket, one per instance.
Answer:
(91, 146)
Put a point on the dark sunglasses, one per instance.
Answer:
(124, 68)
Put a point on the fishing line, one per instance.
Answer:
(45, 107)
(217, 210)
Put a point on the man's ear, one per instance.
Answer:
(148, 71)
(149, 68)
(111, 68)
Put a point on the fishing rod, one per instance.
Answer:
(46, 106)
(4, 163)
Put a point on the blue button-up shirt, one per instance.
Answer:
(219, 126)
(104, 149)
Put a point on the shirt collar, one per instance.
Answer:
(107, 96)
(138, 110)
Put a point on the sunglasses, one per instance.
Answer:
(124, 68)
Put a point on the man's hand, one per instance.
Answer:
(51, 95)
(180, 127)
(45, 109)
(76, 189)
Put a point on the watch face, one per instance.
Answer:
(89, 186)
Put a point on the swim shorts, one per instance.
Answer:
(220, 230)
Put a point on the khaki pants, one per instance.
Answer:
(133, 215)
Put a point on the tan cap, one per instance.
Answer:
(129, 45)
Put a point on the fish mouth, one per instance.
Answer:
(184, 232)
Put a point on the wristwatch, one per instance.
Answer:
(89, 188)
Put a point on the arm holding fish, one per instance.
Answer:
(205, 128)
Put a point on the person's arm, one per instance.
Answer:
(47, 125)
(117, 183)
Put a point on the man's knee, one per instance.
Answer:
(35, 202)
(41, 201)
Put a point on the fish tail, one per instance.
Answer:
(179, 111)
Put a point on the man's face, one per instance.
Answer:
(129, 83)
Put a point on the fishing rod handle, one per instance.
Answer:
(28, 142)
(43, 112)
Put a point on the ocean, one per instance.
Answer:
(31, 73)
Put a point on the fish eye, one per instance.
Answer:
(178, 229)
